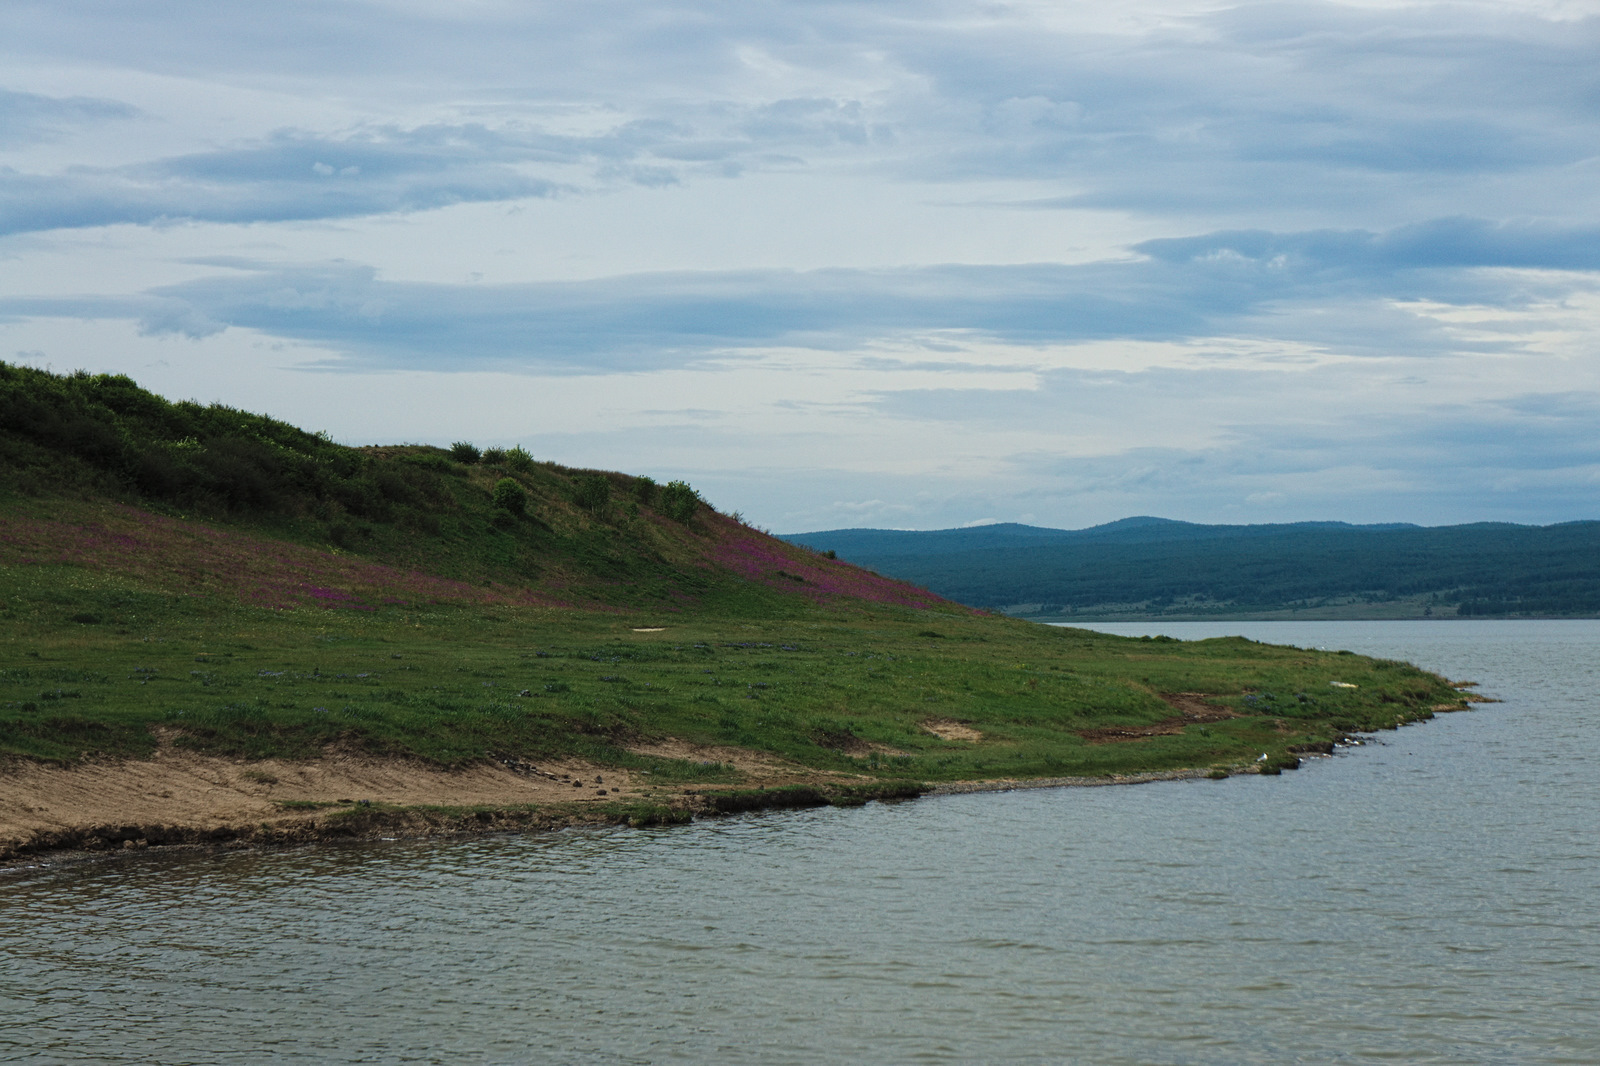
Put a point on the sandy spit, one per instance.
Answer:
(180, 798)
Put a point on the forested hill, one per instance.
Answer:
(1153, 567)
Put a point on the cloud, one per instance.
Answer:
(1438, 243)
(1319, 108)
(292, 176)
(28, 118)
(1271, 103)
(1235, 283)
(295, 175)
(647, 321)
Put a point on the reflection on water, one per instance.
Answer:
(1432, 897)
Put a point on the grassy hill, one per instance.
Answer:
(1151, 568)
(200, 579)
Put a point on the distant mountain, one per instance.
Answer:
(1141, 529)
(1146, 567)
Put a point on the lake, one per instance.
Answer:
(1430, 897)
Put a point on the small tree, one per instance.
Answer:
(509, 496)
(519, 460)
(494, 456)
(678, 501)
(465, 452)
(592, 492)
(644, 490)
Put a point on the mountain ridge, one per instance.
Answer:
(1146, 567)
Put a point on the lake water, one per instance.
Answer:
(1431, 897)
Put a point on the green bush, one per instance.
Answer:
(679, 501)
(464, 452)
(118, 437)
(494, 456)
(644, 490)
(592, 492)
(509, 496)
(519, 460)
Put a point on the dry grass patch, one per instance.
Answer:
(946, 729)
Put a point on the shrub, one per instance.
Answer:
(644, 490)
(592, 493)
(519, 460)
(464, 452)
(509, 496)
(679, 501)
(494, 456)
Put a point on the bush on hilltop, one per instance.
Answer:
(679, 501)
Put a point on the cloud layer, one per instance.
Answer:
(911, 224)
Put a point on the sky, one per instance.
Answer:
(894, 264)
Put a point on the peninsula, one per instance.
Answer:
(218, 628)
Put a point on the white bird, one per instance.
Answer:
(1263, 757)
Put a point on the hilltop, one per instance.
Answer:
(146, 468)
(220, 627)
(1145, 568)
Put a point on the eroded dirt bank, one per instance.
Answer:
(178, 797)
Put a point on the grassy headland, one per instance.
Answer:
(381, 603)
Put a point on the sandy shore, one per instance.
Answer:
(179, 798)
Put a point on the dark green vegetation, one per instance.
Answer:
(602, 616)
(461, 514)
(1149, 568)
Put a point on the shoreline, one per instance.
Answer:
(958, 788)
(294, 823)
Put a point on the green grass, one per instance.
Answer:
(832, 687)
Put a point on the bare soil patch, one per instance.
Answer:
(178, 787)
(947, 729)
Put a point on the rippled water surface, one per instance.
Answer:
(1432, 897)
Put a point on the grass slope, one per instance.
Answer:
(377, 600)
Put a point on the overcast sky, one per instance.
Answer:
(904, 264)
